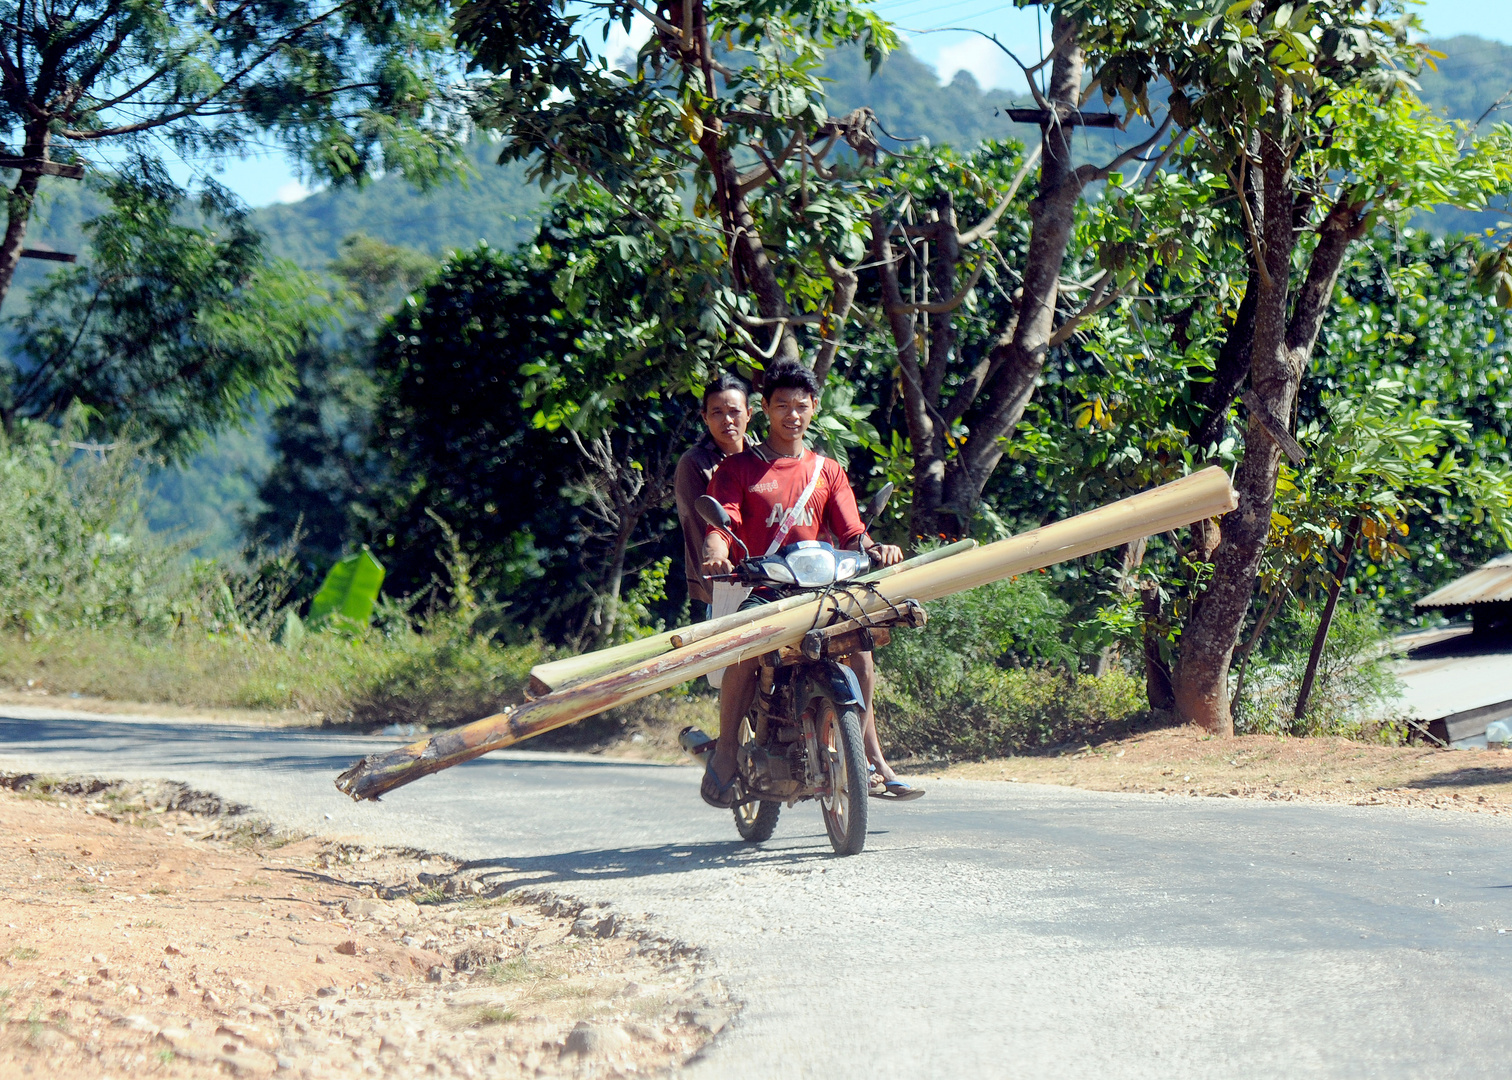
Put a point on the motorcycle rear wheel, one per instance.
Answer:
(844, 808)
(755, 821)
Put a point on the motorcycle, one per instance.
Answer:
(802, 738)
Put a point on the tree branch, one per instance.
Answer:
(1099, 299)
(1133, 152)
(942, 307)
(983, 227)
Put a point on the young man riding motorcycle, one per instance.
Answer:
(760, 489)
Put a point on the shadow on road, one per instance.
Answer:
(611, 864)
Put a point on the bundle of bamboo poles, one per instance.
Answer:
(572, 670)
(591, 687)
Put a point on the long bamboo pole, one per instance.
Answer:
(1193, 498)
(572, 670)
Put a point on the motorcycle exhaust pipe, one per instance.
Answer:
(696, 742)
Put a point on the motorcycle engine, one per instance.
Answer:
(766, 773)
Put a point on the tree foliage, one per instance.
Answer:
(346, 86)
(170, 330)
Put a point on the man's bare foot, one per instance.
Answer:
(718, 786)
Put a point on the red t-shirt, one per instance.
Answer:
(757, 489)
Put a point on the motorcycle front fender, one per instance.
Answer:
(839, 680)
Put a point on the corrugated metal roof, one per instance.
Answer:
(1490, 584)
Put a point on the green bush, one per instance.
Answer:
(91, 602)
(1354, 685)
(74, 551)
(991, 674)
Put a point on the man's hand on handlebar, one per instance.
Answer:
(884, 554)
(716, 556)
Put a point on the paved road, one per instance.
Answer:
(988, 930)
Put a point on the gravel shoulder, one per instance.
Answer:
(1187, 761)
(149, 929)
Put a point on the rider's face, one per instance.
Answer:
(790, 412)
(727, 414)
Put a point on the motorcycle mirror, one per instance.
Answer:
(875, 504)
(713, 512)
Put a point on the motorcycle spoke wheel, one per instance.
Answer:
(755, 821)
(844, 804)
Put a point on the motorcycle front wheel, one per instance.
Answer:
(844, 760)
(755, 821)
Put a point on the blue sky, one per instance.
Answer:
(1020, 29)
(269, 178)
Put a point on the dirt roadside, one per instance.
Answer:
(148, 930)
(1187, 761)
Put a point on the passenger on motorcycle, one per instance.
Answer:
(759, 488)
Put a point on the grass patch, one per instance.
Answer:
(492, 1014)
(22, 953)
(165, 1055)
(439, 677)
(430, 895)
(87, 890)
(510, 971)
(254, 834)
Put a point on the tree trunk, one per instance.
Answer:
(754, 269)
(1279, 356)
(1212, 632)
(926, 436)
(616, 575)
(1326, 620)
(1132, 558)
(833, 328)
(1157, 671)
(1018, 360)
(19, 202)
(1230, 371)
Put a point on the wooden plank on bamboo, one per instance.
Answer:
(572, 670)
(1193, 498)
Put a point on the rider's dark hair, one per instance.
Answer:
(725, 381)
(789, 375)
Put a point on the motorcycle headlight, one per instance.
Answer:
(813, 567)
(776, 570)
(846, 567)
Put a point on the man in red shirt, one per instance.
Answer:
(758, 487)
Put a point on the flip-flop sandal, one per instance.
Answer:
(719, 796)
(897, 791)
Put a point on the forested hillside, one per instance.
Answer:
(493, 204)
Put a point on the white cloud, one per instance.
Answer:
(984, 60)
(291, 192)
